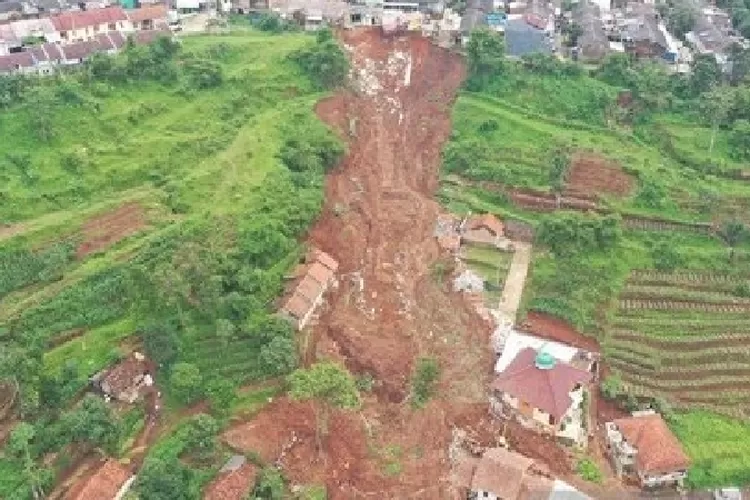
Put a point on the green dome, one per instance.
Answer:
(544, 360)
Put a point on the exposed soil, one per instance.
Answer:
(388, 308)
(548, 327)
(105, 230)
(592, 175)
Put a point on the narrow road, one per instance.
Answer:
(510, 301)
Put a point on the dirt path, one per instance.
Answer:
(514, 282)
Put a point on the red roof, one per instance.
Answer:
(149, 36)
(152, 12)
(547, 390)
(103, 485)
(501, 472)
(81, 50)
(82, 19)
(233, 485)
(658, 449)
(487, 221)
(17, 60)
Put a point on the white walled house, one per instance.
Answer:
(87, 25)
(642, 446)
(310, 282)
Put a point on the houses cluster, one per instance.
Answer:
(638, 28)
(40, 46)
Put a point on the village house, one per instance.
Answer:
(642, 446)
(235, 480)
(544, 388)
(501, 474)
(483, 229)
(128, 380)
(148, 18)
(110, 482)
(309, 282)
(86, 25)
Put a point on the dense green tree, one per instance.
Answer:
(186, 382)
(164, 479)
(327, 385)
(325, 62)
(221, 393)
(279, 356)
(270, 485)
(94, 422)
(739, 140)
(570, 233)
(682, 19)
(200, 436)
(486, 58)
(19, 446)
(733, 233)
(705, 75)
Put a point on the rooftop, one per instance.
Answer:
(501, 472)
(546, 389)
(81, 19)
(658, 449)
(147, 13)
(122, 376)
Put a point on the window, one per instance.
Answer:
(112, 27)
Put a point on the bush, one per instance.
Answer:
(203, 73)
(324, 62)
(612, 387)
(666, 257)
(423, 381)
(589, 471)
(572, 234)
(270, 485)
(186, 382)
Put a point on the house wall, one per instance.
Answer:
(671, 478)
(90, 32)
(481, 495)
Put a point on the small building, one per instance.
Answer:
(85, 25)
(545, 394)
(483, 229)
(110, 482)
(128, 380)
(148, 18)
(506, 475)
(593, 44)
(642, 446)
(309, 282)
(235, 480)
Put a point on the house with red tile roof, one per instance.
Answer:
(544, 393)
(310, 281)
(642, 446)
(111, 481)
(148, 17)
(483, 229)
(79, 26)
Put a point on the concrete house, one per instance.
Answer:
(86, 25)
(308, 284)
(544, 393)
(127, 381)
(148, 18)
(642, 446)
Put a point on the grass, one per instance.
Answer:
(718, 446)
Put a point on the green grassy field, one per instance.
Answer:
(666, 302)
(199, 213)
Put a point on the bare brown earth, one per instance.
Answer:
(388, 309)
(105, 230)
(549, 327)
(592, 175)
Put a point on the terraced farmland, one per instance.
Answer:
(684, 336)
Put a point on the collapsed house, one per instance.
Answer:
(503, 474)
(308, 283)
(128, 381)
(236, 479)
(643, 447)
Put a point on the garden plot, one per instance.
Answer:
(684, 336)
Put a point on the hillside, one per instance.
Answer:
(152, 202)
(637, 208)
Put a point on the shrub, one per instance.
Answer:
(186, 382)
(324, 62)
(611, 387)
(203, 73)
(589, 471)
(423, 381)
